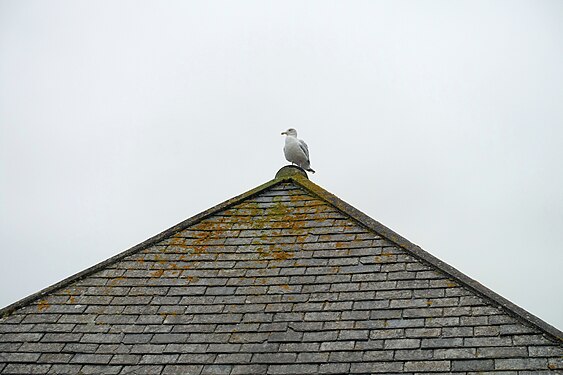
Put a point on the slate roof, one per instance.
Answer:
(284, 279)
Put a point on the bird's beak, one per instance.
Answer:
(284, 133)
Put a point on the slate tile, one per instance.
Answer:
(159, 328)
(530, 340)
(543, 351)
(99, 338)
(473, 365)
(15, 328)
(515, 329)
(374, 275)
(293, 369)
(19, 357)
(387, 333)
(487, 341)
(402, 343)
(246, 369)
(25, 368)
(428, 293)
(100, 369)
(320, 336)
(24, 337)
(15, 318)
(420, 366)
(167, 338)
(339, 325)
(217, 369)
(480, 331)
(404, 323)
(160, 358)
(457, 331)
(274, 357)
(321, 316)
(147, 348)
(55, 358)
(125, 359)
(38, 318)
(265, 347)
(233, 358)
(136, 338)
(288, 336)
(460, 311)
(385, 314)
(353, 334)
(376, 367)
(65, 369)
(91, 358)
(337, 345)
(473, 320)
(521, 363)
(72, 348)
(309, 357)
(423, 332)
(9, 347)
(272, 327)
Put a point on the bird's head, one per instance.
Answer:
(291, 132)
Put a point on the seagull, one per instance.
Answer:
(296, 151)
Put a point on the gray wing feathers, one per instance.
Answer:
(304, 148)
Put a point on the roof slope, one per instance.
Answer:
(284, 279)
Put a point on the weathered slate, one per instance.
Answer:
(284, 279)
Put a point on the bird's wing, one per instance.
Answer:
(304, 148)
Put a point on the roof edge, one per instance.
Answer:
(8, 310)
(363, 219)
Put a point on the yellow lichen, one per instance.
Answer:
(42, 305)
(157, 273)
(115, 280)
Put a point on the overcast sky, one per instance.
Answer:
(441, 119)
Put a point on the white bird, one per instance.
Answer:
(296, 151)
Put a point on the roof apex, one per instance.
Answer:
(291, 171)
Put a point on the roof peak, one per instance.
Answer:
(291, 171)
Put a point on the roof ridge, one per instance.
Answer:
(421, 254)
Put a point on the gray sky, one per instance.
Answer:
(441, 119)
